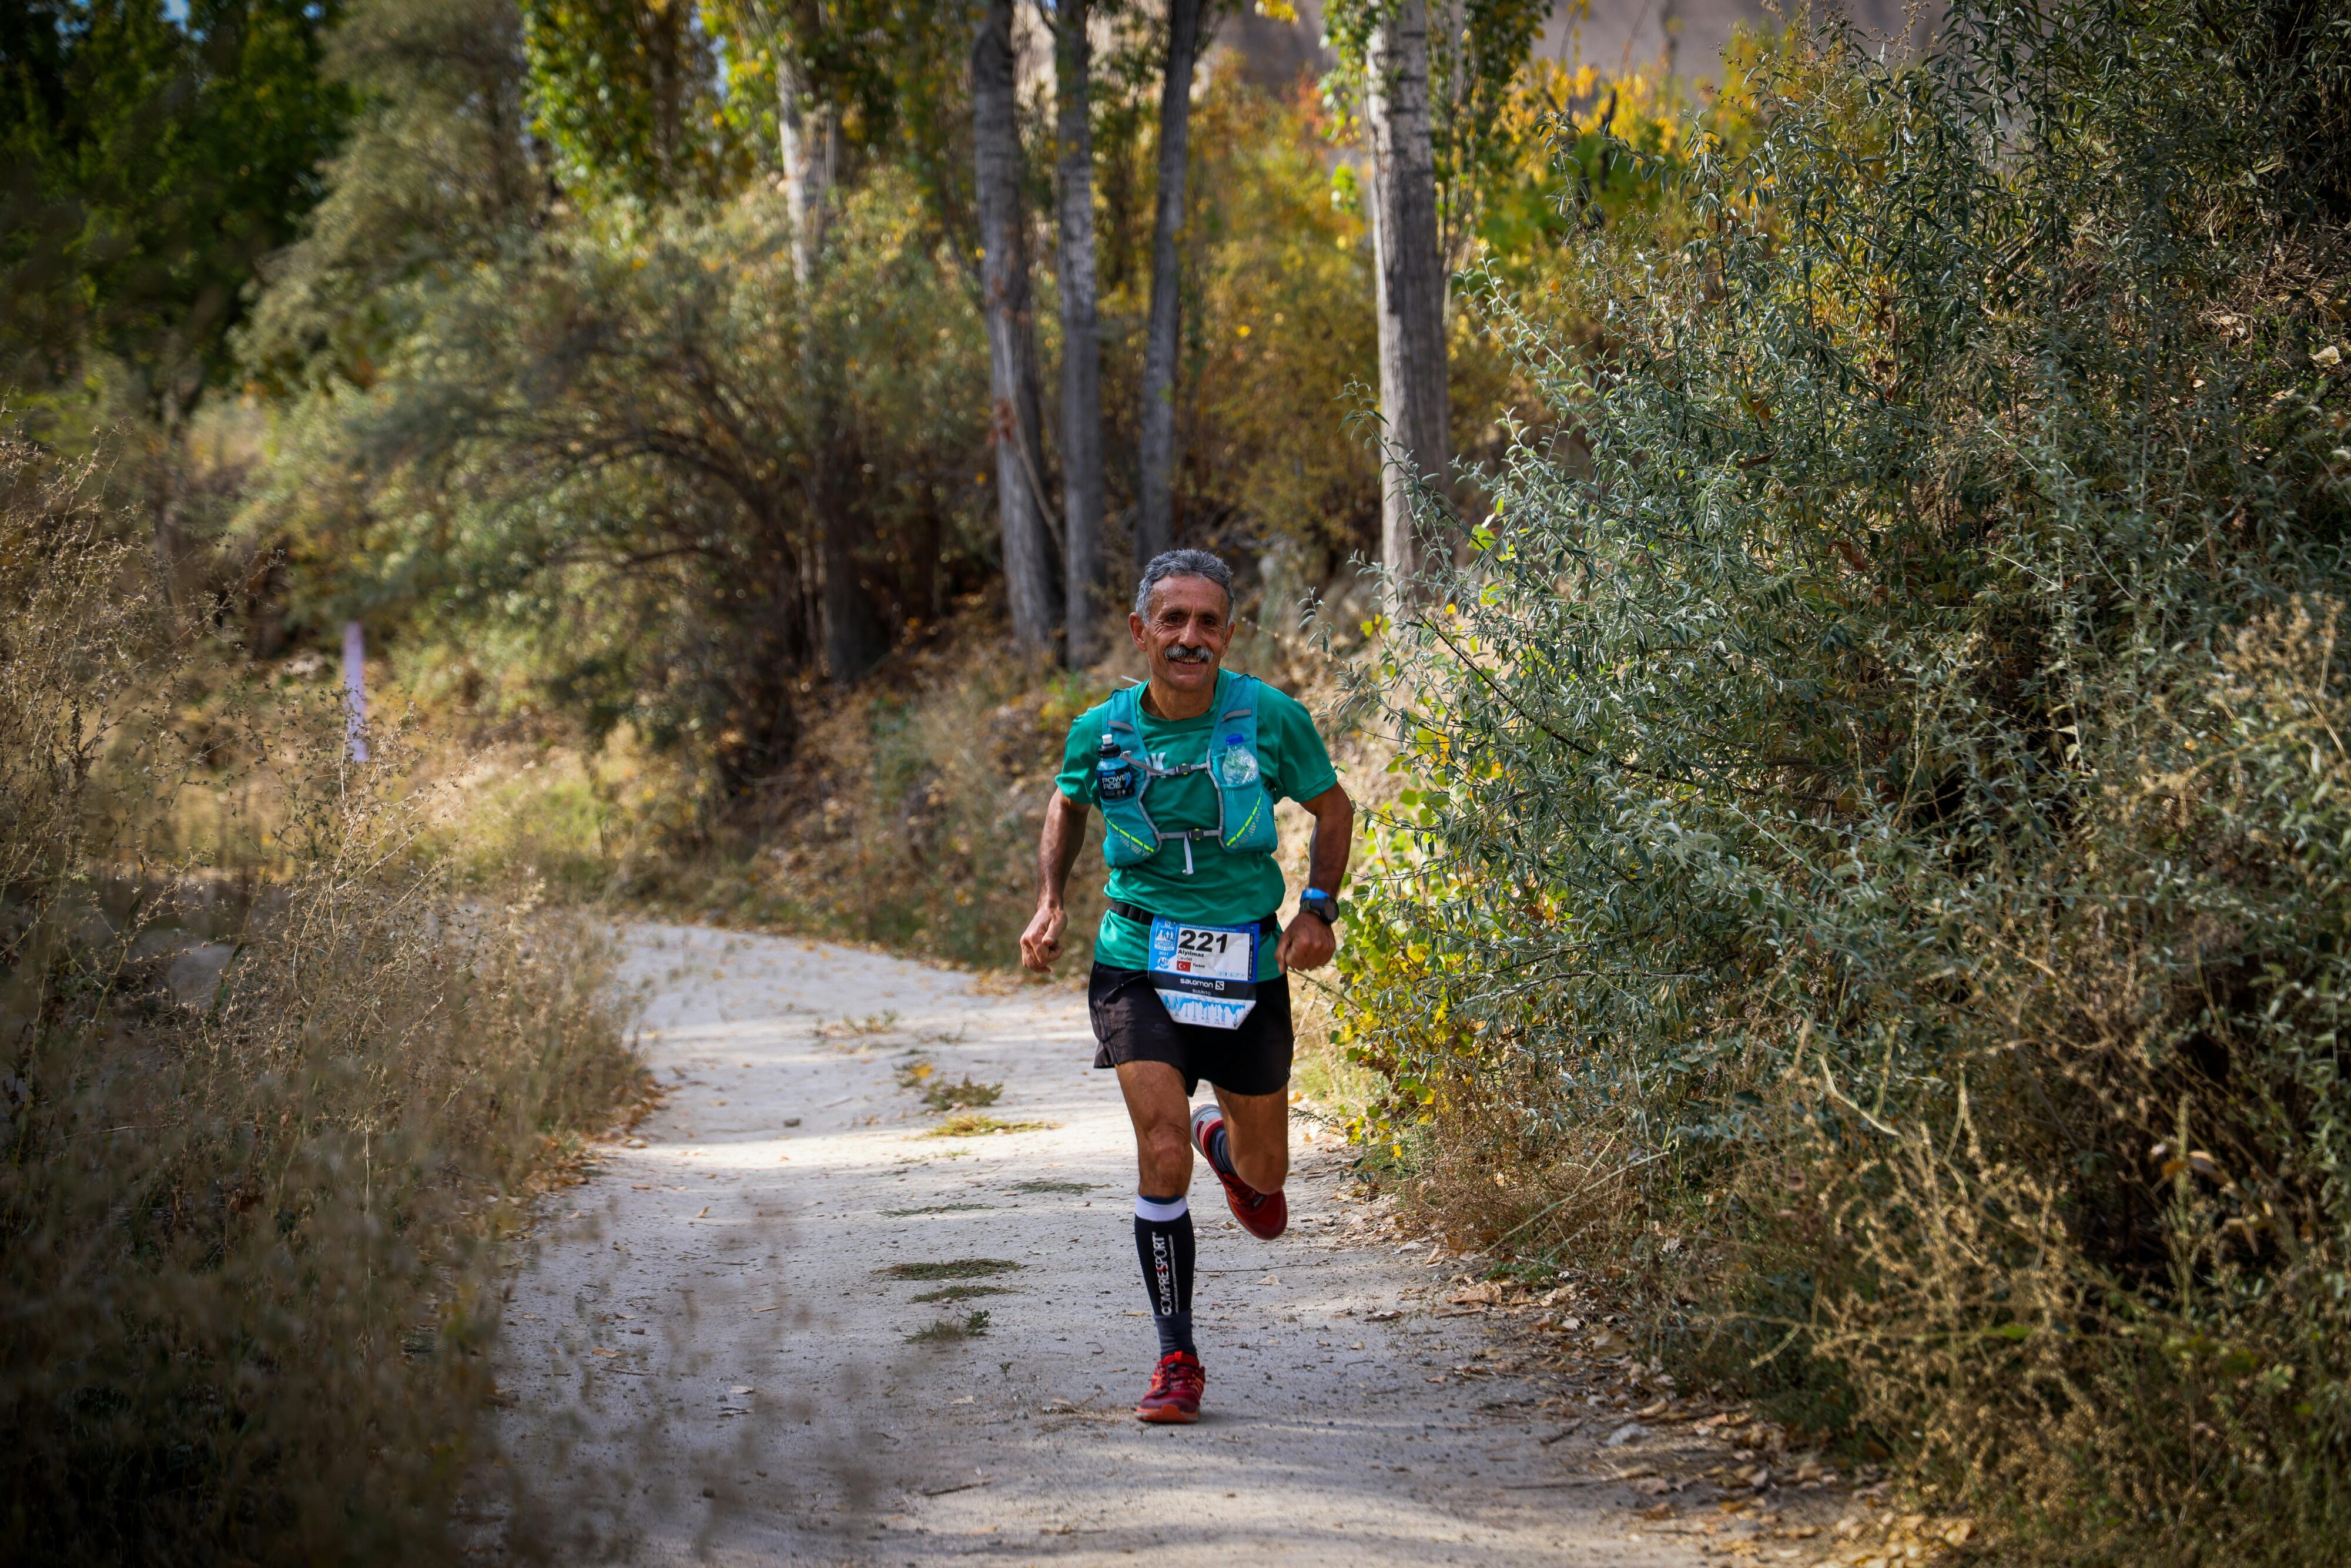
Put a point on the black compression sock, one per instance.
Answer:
(1163, 1243)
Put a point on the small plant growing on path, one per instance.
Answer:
(858, 1027)
(917, 1078)
(947, 1330)
(973, 1124)
(955, 1269)
(960, 1096)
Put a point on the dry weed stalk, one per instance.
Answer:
(264, 1130)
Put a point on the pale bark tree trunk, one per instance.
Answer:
(1154, 513)
(805, 138)
(1030, 588)
(1082, 428)
(1410, 277)
(849, 633)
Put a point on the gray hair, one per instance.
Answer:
(1182, 563)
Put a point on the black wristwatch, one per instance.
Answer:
(1324, 906)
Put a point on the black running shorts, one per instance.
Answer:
(1133, 1026)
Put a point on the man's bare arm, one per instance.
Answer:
(1308, 944)
(1335, 839)
(1057, 852)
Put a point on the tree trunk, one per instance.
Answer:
(851, 635)
(1082, 428)
(1410, 278)
(1029, 577)
(1154, 518)
(805, 145)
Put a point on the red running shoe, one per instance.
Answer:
(1177, 1385)
(1264, 1215)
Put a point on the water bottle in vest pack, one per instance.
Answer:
(1114, 778)
(1237, 763)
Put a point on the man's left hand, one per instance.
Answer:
(1307, 944)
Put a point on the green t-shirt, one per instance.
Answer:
(1222, 888)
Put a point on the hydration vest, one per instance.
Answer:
(1244, 805)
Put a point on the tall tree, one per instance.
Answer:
(626, 94)
(1029, 576)
(1155, 519)
(805, 147)
(808, 147)
(1476, 49)
(440, 174)
(147, 164)
(1409, 274)
(1081, 423)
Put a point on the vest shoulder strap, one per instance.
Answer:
(1242, 700)
(1123, 711)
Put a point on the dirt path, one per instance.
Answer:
(710, 1355)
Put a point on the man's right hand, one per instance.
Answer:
(1042, 942)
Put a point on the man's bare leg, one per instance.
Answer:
(1161, 1113)
(1257, 1137)
(1257, 1131)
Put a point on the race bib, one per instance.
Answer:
(1205, 975)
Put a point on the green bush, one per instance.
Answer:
(586, 475)
(1879, 792)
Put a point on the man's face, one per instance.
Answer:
(1183, 636)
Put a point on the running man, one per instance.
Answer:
(1190, 978)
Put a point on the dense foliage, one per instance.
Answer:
(149, 165)
(596, 452)
(1877, 828)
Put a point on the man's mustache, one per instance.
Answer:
(1189, 653)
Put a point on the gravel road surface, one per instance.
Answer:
(718, 1351)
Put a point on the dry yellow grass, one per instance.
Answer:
(271, 1099)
